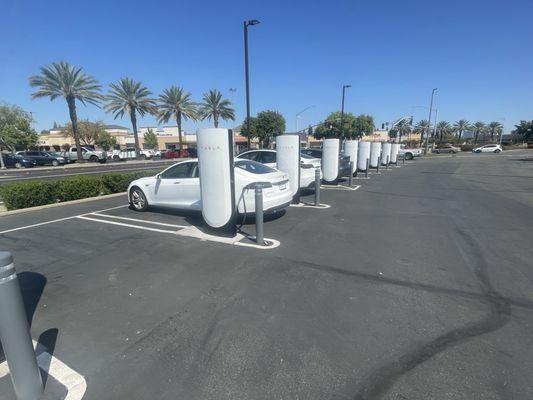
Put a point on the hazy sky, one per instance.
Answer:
(477, 53)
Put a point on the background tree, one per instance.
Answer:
(215, 107)
(444, 128)
(363, 125)
(331, 127)
(310, 131)
(478, 128)
(269, 124)
(403, 128)
(150, 139)
(422, 127)
(495, 128)
(253, 128)
(175, 103)
(106, 141)
(16, 132)
(88, 131)
(459, 127)
(64, 80)
(524, 130)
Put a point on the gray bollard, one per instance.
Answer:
(317, 187)
(350, 179)
(387, 164)
(379, 163)
(367, 167)
(403, 159)
(15, 334)
(259, 237)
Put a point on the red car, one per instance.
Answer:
(174, 153)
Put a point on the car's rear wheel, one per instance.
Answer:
(138, 200)
(436, 152)
(143, 156)
(18, 165)
(409, 156)
(478, 151)
(497, 150)
(55, 163)
(116, 158)
(93, 159)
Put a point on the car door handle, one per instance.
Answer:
(176, 182)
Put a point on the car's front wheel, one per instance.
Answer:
(477, 151)
(18, 165)
(138, 200)
(55, 163)
(409, 156)
(93, 159)
(497, 150)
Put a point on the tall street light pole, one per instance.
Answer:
(344, 87)
(300, 113)
(429, 120)
(246, 24)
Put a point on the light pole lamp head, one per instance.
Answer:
(346, 86)
(252, 22)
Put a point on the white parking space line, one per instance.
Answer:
(138, 220)
(310, 205)
(340, 187)
(55, 220)
(103, 221)
(74, 383)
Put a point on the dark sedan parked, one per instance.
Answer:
(344, 162)
(43, 158)
(16, 161)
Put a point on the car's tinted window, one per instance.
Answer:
(178, 171)
(251, 155)
(267, 157)
(314, 153)
(253, 167)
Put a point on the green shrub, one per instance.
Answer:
(37, 193)
(467, 147)
(78, 187)
(28, 194)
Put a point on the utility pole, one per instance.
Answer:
(246, 24)
(344, 87)
(429, 120)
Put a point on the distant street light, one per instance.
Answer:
(344, 87)
(246, 25)
(429, 120)
(298, 115)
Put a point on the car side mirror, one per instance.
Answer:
(158, 176)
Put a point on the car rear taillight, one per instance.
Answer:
(306, 166)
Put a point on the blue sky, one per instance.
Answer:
(477, 53)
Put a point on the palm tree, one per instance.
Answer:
(421, 127)
(443, 128)
(478, 127)
(175, 102)
(131, 97)
(403, 127)
(495, 128)
(214, 106)
(461, 126)
(60, 79)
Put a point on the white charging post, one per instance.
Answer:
(217, 180)
(386, 153)
(288, 161)
(395, 148)
(375, 151)
(363, 154)
(351, 148)
(330, 160)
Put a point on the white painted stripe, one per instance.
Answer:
(340, 187)
(75, 383)
(103, 221)
(138, 220)
(275, 243)
(55, 220)
(309, 205)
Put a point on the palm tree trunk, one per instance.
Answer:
(215, 119)
(133, 118)
(71, 102)
(2, 165)
(459, 138)
(178, 120)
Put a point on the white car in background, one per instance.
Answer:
(129, 154)
(308, 164)
(178, 187)
(488, 148)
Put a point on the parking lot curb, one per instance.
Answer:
(37, 208)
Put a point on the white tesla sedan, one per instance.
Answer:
(178, 187)
(268, 158)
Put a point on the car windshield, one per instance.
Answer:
(303, 155)
(253, 166)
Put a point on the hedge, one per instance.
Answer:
(37, 193)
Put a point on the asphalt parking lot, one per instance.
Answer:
(418, 285)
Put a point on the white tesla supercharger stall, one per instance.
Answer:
(350, 150)
(395, 148)
(330, 160)
(375, 151)
(363, 154)
(385, 152)
(217, 180)
(288, 161)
